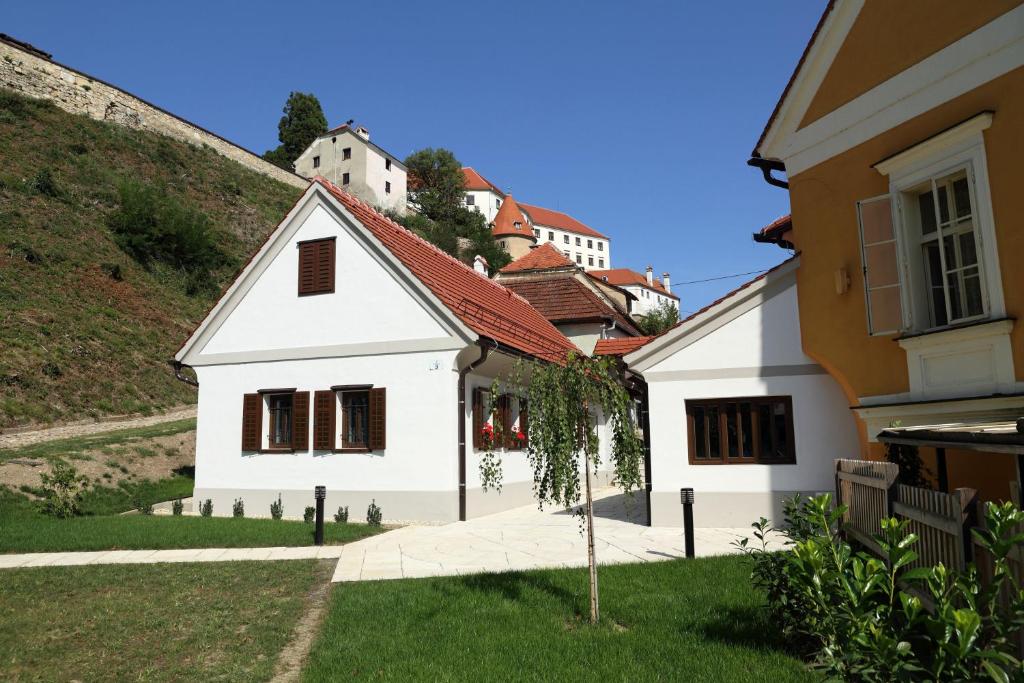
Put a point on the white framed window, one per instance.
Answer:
(928, 246)
(470, 200)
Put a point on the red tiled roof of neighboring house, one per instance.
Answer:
(544, 257)
(337, 129)
(475, 181)
(563, 298)
(624, 277)
(556, 219)
(511, 221)
(778, 226)
(792, 78)
(619, 347)
(482, 304)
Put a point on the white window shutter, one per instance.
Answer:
(883, 295)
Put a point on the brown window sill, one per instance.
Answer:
(353, 450)
(276, 450)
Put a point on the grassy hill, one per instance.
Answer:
(85, 328)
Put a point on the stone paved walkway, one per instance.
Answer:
(525, 538)
(177, 555)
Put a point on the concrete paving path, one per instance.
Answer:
(525, 538)
(175, 555)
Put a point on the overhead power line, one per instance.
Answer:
(720, 277)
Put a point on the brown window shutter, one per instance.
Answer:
(478, 417)
(300, 420)
(316, 266)
(505, 419)
(378, 419)
(252, 422)
(323, 420)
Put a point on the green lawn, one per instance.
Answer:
(693, 620)
(24, 529)
(216, 621)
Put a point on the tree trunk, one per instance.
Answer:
(591, 558)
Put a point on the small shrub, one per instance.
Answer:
(238, 508)
(177, 507)
(141, 504)
(276, 508)
(341, 516)
(309, 514)
(206, 509)
(373, 514)
(62, 491)
(44, 183)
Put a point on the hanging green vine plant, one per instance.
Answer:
(566, 403)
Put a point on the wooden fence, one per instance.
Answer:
(942, 521)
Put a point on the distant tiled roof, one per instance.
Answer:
(511, 221)
(475, 181)
(544, 257)
(556, 219)
(624, 277)
(482, 304)
(563, 298)
(777, 228)
(619, 347)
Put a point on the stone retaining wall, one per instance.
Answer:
(32, 72)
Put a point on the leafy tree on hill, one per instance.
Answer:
(302, 122)
(659, 320)
(436, 191)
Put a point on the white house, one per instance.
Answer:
(737, 411)
(649, 292)
(352, 354)
(345, 156)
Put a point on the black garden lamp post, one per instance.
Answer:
(686, 498)
(319, 493)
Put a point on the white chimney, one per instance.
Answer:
(480, 265)
(665, 281)
(362, 132)
(650, 276)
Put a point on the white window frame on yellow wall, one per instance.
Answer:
(957, 151)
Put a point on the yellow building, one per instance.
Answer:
(901, 136)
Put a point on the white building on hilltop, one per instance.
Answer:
(580, 243)
(345, 156)
(650, 292)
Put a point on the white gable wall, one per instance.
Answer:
(368, 304)
(757, 353)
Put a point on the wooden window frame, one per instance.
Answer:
(501, 415)
(376, 427)
(267, 395)
(720, 404)
(346, 153)
(322, 281)
(345, 178)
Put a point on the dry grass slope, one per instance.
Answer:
(84, 329)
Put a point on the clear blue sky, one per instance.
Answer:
(637, 118)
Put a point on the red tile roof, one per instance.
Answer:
(623, 277)
(556, 219)
(483, 305)
(475, 181)
(778, 226)
(511, 221)
(562, 298)
(544, 257)
(619, 347)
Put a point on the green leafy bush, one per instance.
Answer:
(276, 508)
(238, 508)
(309, 514)
(155, 227)
(141, 503)
(177, 507)
(341, 516)
(373, 514)
(62, 491)
(206, 509)
(862, 618)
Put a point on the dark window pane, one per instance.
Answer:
(968, 250)
(972, 291)
(938, 297)
(781, 432)
(747, 427)
(732, 440)
(943, 205)
(356, 419)
(714, 437)
(700, 450)
(280, 406)
(764, 419)
(927, 207)
(962, 198)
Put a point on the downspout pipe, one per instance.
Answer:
(485, 349)
(767, 166)
(178, 367)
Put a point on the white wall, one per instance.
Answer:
(599, 249)
(486, 202)
(366, 168)
(368, 304)
(757, 354)
(647, 299)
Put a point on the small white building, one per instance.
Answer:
(351, 353)
(737, 411)
(650, 292)
(346, 157)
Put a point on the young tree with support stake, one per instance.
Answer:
(564, 401)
